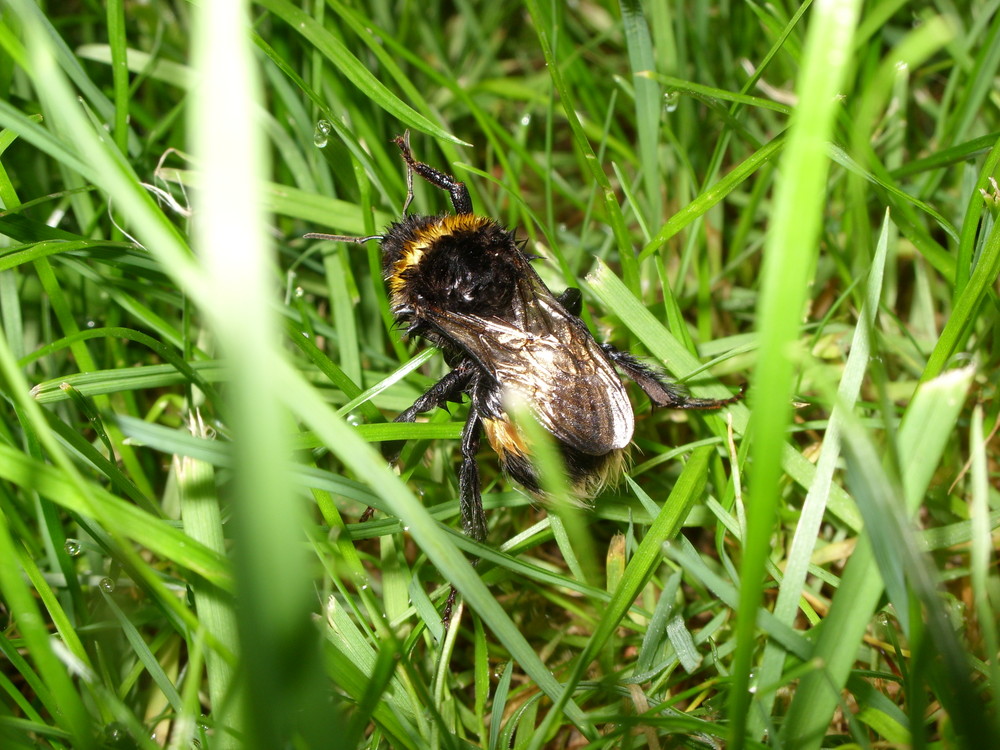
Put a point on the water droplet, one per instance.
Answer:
(116, 736)
(107, 585)
(353, 419)
(525, 121)
(321, 136)
(670, 101)
(73, 547)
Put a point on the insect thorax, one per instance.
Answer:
(464, 264)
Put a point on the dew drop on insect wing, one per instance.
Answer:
(670, 101)
(321, 136)
(73, 547)
(107, 585)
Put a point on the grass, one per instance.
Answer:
(796, 197)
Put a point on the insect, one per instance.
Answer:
(463, 283)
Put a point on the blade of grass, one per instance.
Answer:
(64, 700)
(613, 295)
(283, 681)
(814, 506)
(647, 105)
(398, 500)
(666, 525)
(202, 519)
(789, 254)
(963, 316)
(922, 437)
(352, 69)
(547, 29)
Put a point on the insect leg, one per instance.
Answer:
(469, 492)
(572, 300)
(470, 497)
(449, 388)
(660, 390)
(459, 193)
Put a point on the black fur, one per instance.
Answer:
(465, 271)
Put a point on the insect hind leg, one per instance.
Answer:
(460, 199)
(661, 391)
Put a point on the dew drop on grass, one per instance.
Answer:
(116, 735)
(73, 547)
(321, 136)
(107, 585)
(670, 101)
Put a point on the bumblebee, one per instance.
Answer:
(463, 283)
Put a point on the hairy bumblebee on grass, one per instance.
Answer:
(463, 283)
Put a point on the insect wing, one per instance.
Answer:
(551, 361)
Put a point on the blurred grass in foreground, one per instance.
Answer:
(796, 197)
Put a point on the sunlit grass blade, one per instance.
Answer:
(920, 440)
(800, 554)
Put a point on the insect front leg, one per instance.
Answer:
(661, 391)
(449, 388)
(459, 192)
